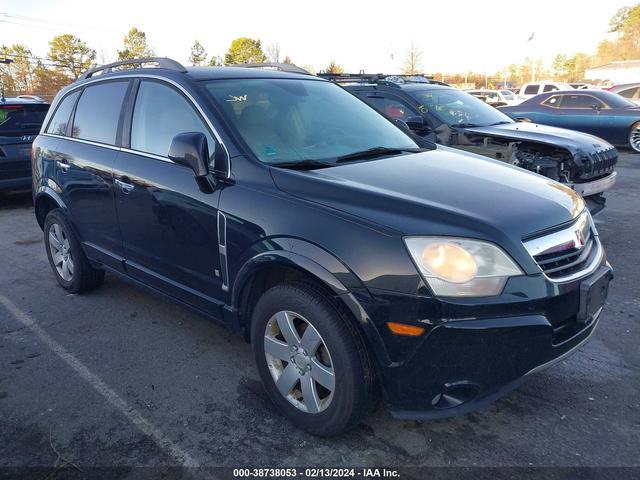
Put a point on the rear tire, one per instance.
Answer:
(634, 137)
(312, 359)
(70, 265)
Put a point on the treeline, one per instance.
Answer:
(21, 72)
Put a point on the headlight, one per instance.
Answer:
(459, 267)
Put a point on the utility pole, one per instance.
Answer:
(5, 61)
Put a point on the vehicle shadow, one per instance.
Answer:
(12, 200)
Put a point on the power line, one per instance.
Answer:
(17, 19)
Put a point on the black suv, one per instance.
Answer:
(455, 118)
(20, 121)
(355, 260)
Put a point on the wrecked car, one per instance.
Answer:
(454, 118)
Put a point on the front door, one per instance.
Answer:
(168, 223)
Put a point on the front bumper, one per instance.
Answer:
(465, 364)
(595, 187)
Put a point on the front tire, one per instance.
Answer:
(312, 360)
(634, 137)
(70, 265)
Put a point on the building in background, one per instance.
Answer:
(627, 71)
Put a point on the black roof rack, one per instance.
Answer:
(162, 62)
(283, 67)
(381, 78)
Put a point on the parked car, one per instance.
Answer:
(529, 90)
(598, 112)
(630, 91)
(20, 122)
(496, 98)
(454, 118)
(354, 258)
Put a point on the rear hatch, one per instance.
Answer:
(19, 125)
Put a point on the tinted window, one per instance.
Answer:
(60, 120)
(392, 107)
(580, 101)
(21, 119)
(549, 88)
(531, 90)
(98, 112)
(160, 114)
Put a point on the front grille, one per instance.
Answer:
(599, 163)
(568, 253)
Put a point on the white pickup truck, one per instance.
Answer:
(529, 90)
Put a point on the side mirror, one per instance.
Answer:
(190, 149)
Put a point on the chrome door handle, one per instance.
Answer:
(63, 165)
(124, 186)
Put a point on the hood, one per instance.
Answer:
(524, 131)
(440, 192)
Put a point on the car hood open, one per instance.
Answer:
(532, 132)
(443, 192)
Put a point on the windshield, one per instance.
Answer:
(508, 94)
(290, 120)
(21, 119)
(457, 108)
(614, 100)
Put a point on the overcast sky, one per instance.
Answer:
(454, 36)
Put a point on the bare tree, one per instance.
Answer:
(412, 63)
(273, 52)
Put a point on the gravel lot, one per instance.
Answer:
(119, 377)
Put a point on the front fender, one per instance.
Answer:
(323, 267)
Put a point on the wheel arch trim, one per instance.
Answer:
(322, 274)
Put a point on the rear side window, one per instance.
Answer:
(98, 112)
(22, 119)
(580, 101)
(549, 88)
(531, 90)
(60, 120)
(160, 114)
(629, 92)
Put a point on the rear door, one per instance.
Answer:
(168, 223)
(84, 163)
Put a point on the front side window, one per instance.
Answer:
(161, 113)
(581, 101)
(392, 107)
(291, 120)
(549, 88)
(22, 119)
(98, 112)
(456, 108)
(60, 120)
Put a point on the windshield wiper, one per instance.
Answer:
(375, 152)
(466, 125)
(502, 122)
(303, 165)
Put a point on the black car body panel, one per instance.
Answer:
(583, 162)
(20, 122)
(211, 243)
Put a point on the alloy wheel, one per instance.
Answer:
(634, 138)
(61, 252)
(299, 362)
